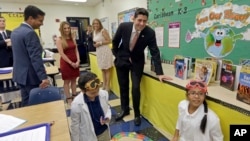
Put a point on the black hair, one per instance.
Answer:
(84, 78)
(204, 119)
(32, 11)
(141, 11)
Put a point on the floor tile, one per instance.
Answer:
(115, 102)
(154, 134)
(128, 126)
(112, 96)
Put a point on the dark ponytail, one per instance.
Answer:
(204, 119)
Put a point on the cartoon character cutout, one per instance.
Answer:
(219, 41)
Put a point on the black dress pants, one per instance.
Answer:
(123, 80)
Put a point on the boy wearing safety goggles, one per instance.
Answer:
(196, 122)
(90, 111)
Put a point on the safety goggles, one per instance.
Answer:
(197, 84)
(93, 84)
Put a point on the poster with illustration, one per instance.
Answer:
(74, 32)
(216, 25)
(126, 16)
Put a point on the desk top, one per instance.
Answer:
(50, 71)
(44, 113)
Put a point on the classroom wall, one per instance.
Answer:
(190, 28)
(110, 9)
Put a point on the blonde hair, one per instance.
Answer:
(100, 23)
(63, 36)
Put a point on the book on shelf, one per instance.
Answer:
(216, 68)
(191, 65)
(230, 76)
(182, 67)
(203, 70)
(243, 91)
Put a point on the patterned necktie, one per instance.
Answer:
(132, 44)
(4, 35)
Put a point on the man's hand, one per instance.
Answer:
(164, 77)
(45, 83)
(8, 42)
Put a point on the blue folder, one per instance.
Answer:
(47, 134)
(5, 71)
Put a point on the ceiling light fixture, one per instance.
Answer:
(75, 0)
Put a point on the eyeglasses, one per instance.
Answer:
(93, 84)
(195, 84)
(199, 94)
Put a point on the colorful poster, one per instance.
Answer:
(126, 16)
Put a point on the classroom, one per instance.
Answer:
(206, 41)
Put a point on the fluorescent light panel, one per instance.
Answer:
(75, 0)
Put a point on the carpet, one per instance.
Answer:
(130, 136)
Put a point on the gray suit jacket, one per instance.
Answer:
(28, 68)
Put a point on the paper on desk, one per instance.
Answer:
(37, 134)
(48, 59)
(6, 70)
(8, 122)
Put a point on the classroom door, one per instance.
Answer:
(78, 28)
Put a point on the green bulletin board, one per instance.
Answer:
(202, 28)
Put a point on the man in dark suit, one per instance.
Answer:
(130, 57)
(89, 39)
(28, 69)
(6, 56)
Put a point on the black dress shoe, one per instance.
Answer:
(121, 115)
(137, 121)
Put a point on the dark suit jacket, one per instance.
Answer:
(5, 52)
(146, 38)
(28, 68)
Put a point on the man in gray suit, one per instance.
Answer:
(28, 69)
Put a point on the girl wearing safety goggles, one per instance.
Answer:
(196, 122)
(90, 111)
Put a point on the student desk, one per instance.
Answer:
(51, 71)
(45, 113)
(49, 60)
(159, 101)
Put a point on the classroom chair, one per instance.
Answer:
(38, 95)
